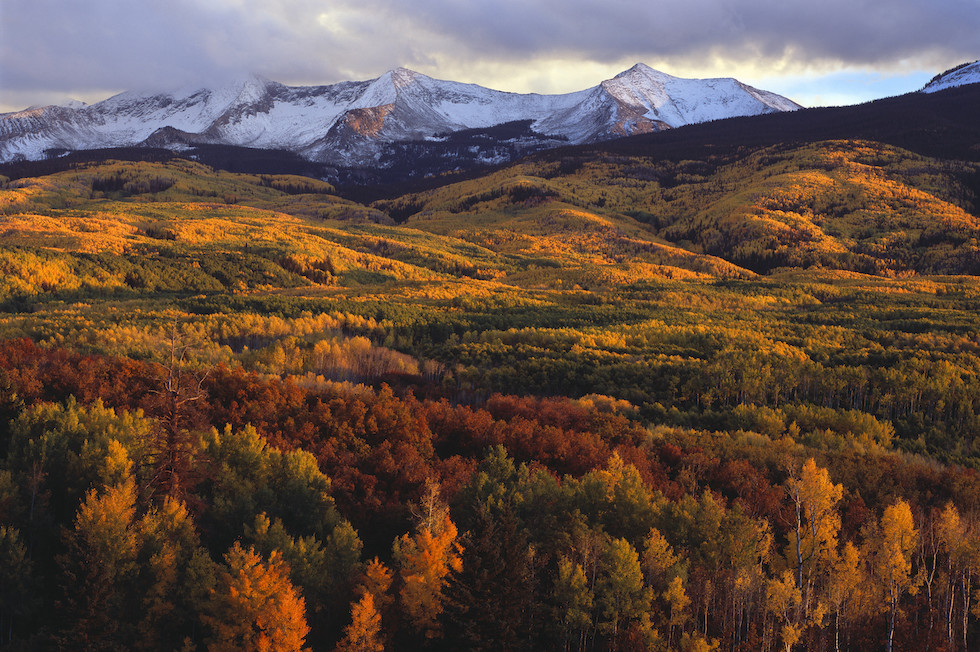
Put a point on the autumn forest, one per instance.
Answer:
(679, 392)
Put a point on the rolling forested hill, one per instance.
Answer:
(712, 388)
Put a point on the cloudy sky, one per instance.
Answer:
(815, 52)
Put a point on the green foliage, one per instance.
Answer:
(100, 570)
(252, 478)
(58, 451)
(489, 603)
(573, 601)
(18, 593)
(325, 571)
(621, 595)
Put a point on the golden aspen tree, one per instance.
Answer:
(364, 632)
(951, 533)
(658, 558)
(100, 566)
(971, 567)
(783, 599)
(893, 546)
(959, 537)
(630, 504)
(928, 559)
(255, 606)
(574, 603)
(376, 580)
(813, 540)
(424, 562)
(844, 587)
(697, 643)
(677, 601)
(169, 541)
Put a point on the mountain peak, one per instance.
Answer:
(401, 77)
(644, 69)
(251, 87)
(650, 99)
(402, 71)
(384, 89)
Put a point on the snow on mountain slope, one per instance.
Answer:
(347, 123)
(968, 73)
(677, 101)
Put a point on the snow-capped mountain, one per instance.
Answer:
(967, 73)
(349, 123)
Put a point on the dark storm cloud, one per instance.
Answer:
(849, 31)
(119, 43)
(48, 45)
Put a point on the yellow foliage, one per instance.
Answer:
(898, 539)
(697, 643)
(677, 599)
(784, 599)
(104, 526)
(658, 557)
(814, 542)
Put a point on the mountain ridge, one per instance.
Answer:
(961, 75)
(349, 123)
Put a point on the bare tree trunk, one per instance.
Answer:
(950, 603)
(891, 623)
(966, 607)
(837, 630)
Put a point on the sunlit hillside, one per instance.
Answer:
(840, 204)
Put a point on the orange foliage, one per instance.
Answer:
(425, 561)
(255, 606)
(364, 632)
